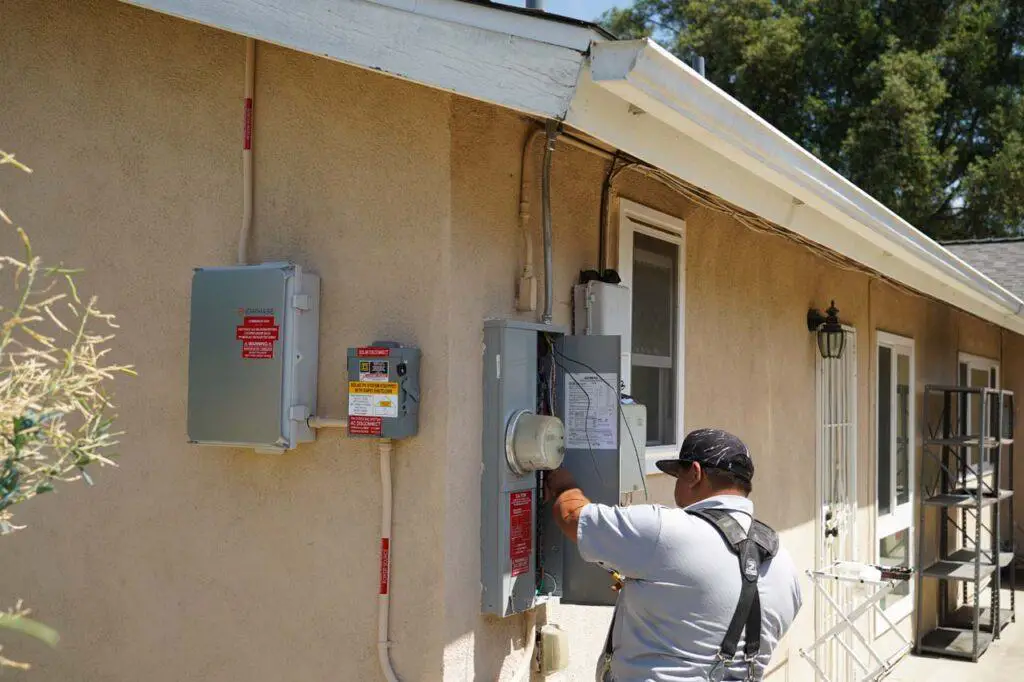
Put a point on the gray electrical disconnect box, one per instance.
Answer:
(534, 368)
(253, 356)
(383, 390)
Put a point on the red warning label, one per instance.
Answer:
(364, 426)
(258, 334)
(371, 352)
(385, 565)
(520, 531)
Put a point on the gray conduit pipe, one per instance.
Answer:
(551, 133)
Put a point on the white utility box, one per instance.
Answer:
(602, 309)
(253, 345)
(632, 447)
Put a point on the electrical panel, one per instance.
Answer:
(509, 498)
(549, 399)
(383, 390)
(253, 344)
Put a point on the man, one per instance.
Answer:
(681, 581)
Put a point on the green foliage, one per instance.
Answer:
(918, 102)
(55, 421)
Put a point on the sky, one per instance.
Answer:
(580, 9)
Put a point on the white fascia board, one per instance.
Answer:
(473, 57)
(667, 91)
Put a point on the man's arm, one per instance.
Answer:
(622, 539)
(568, 501)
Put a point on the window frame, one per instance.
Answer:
(900, 516)
(636, 218)
(979, 362)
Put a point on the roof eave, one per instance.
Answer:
(519, 61)
(662, 87)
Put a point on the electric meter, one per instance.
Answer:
(534, 442)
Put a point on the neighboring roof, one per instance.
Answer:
(630, 95)
(515, 9)
(1001, 259)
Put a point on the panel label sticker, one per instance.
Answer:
(258, 334)
(591, 412)
(372, 352)
(373, 399)
(374, 370)
(365, 426)
(520, 536)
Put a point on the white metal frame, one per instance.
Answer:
(900, 517)
(872, 590)
(844, 436)
(636, 218)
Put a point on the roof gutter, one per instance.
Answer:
(658, 84)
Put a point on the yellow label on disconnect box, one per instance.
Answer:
(372, 388)
(372, 399)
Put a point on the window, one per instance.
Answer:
(895, 448)
(651, 264)
(978, 372)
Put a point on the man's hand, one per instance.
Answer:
(557, 482)
(567, 500)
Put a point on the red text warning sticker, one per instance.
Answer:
(371, 352)
(385, 565)
(364, 426)
(520, 531)
(258, 334)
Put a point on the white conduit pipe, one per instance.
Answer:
(526, 665)
(250, 79)
(327, 423)
(384, 599)
(526, 173)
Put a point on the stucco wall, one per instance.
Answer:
(196, 564)
(205, 564)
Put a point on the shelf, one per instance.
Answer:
(966, 556)
(963, 442)
(963, 617)
(967, 500)
(956, 570)
(961, 389)
(955, 643)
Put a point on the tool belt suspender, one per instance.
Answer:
(752, 548)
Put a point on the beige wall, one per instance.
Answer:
(205, 564)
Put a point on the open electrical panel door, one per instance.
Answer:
(587, 399)
(550, 399)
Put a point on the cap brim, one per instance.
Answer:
(669, 466)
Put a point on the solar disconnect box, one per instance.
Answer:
(253, 356)
(383, 390)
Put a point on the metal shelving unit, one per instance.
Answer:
(966, 491)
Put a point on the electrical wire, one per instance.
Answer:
(586, 416)
(618, 404)
(745, 218)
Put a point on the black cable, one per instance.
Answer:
(618, 403)
(586, 416)
(603, 217)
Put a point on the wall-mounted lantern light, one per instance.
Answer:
(831, 337)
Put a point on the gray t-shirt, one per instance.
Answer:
(681, 589)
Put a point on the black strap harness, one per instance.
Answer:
(752, 548)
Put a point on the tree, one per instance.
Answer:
(55, 419)
(918, 102)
